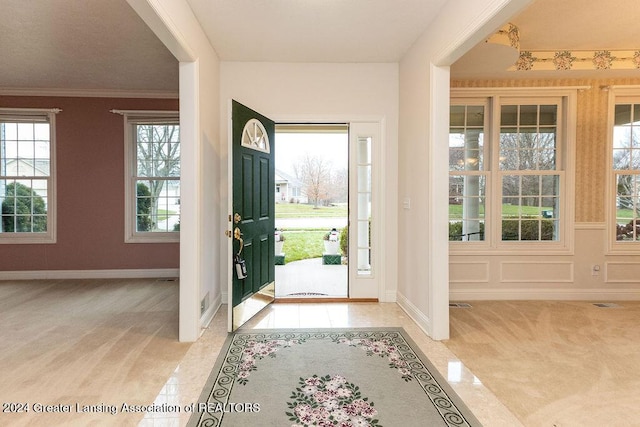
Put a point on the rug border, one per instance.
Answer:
(442, 382)
(213, 374)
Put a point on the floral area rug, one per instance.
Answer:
(329, 377)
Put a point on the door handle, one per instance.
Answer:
(237, 218)
(237, 234)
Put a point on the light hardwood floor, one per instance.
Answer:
(109, 342)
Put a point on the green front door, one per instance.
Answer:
(253, 217)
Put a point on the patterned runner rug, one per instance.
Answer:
(326, 377)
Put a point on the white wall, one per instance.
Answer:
(176, 26)
(423, 280)
(321, 93)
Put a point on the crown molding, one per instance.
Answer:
(89, 93)
(565, 60)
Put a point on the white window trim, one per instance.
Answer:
(51, 235)
(493, 244)
(130, 233)
(617, 94)
(486, 172)
(366, 284)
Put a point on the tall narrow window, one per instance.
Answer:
(529, 171)
(153, 179)
(364, 205)
(467, 178)
(626, 171)
(27, 188)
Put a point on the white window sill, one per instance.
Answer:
(26, 238)
(153, 238)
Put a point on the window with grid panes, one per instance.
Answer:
(153, 184)
(467, 172)
(27, 187)
(506, 170)
(528, 169)
(626, 169)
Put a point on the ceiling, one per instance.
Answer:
(103, 44)
(81, 44)
(313, 30)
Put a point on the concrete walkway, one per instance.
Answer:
(310, 278)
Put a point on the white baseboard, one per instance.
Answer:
(421, 319)
(90, 274)
(208, 315)
(544, 294)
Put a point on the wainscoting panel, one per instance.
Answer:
(469, 272)
(622, 272)
(536, 272)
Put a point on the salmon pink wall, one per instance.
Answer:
(90, 191)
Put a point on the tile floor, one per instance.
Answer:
(555, 363)
(551, 363)
(184, 386)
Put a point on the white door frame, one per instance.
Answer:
(367, 285)
(159, 20)
(360, 286)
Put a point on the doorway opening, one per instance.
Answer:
(312, 210)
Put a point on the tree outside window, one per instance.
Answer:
(157, 177)
(528, 167)
(626, 167)
(152, 186)
(509, 148)
(26, 176)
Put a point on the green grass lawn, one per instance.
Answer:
(303, 244)
(455, 211)
(624, 213)
(299, 210)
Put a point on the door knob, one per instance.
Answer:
(237, 234)
(237, 218)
